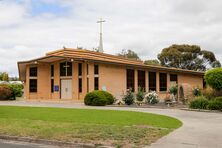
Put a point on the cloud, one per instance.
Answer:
(145, 26)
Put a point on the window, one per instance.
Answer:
(52, 85)
(66, 69)
(96, 69)
(52, 70)
(87, 69)
(152, 81)
(96, 83)
(80, 69)
(130, 79)
(32, 85)
(163, 82)
(33, 72)
(141, 80)
(87, 85)
(80, 85)
(173, 77)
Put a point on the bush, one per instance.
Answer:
(215, 105)
(218, 99)
(109, 97)
(95, 98)
(173, 90)
(5, 93)
(197, 92)
(98, 98)
(199, 103)
(140, 95)
(152, 98)
(213, 78)
(209, 93)
(129, 97)
(16, 90)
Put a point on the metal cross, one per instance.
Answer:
(66, 67)
(101, 39)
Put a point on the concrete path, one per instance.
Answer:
(199, 130)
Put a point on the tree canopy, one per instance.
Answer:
(129, 54)
(4, 76)
(152, 62)
(188, 57)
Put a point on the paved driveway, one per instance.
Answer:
(199, 130)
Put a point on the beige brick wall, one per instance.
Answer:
(111, 77)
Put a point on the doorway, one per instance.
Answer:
(66, 89)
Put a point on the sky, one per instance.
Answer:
(30, 28)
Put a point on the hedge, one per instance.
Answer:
(213, 78)
(98, 98)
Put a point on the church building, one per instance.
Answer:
(69, 74)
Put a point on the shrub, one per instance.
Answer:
(199, 103)
(140, 95)
(5, 93)
(173, 90)
(16, 90)
(98, 98)
(209, 93)
(109, 97)
(213, 78)
(215, 105)
(95, 98)
(152, 97)
(129, 97)
(197, 92)
(218, 99)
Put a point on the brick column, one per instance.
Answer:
(136, 80)
(168, 81)
(147, 81)
(157, 82)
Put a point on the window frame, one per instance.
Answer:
(31, 89)
(130, 79)
(162, 82)
(152, 81)
(33, 71)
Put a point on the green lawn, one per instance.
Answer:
(106, 127)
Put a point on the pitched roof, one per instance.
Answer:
(87, 55)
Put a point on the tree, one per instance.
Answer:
(189, 57)
(152, 62)
(129, 54)
(4, 76)
(213, 78)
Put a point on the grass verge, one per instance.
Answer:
(100, 127)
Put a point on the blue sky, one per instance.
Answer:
(41, 7)
(30, 28)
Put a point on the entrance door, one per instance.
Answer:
(66, 89)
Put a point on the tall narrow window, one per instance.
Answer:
(96, 69)
(52, 78)
(141, 80)
(32, 85)
(130, 79)
(66, 69)
(163, 82)
(52, 70)
(52, 85)
(87, 69)
(152, 81)
(80, 85)
(80, 69)
(87, 85)
(33, 71)
(96, 83)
